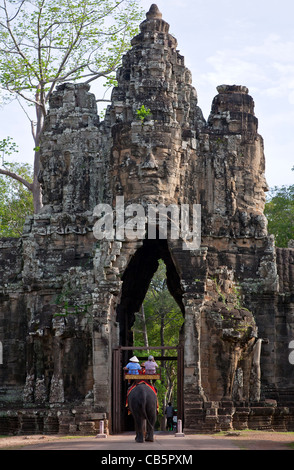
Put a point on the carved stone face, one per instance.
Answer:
(149, 166)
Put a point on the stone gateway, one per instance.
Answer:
(67, 300)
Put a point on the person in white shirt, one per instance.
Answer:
(150, 366)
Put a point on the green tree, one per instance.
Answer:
(279, 211)
(16, 201)
(163, 317)
(44, 43)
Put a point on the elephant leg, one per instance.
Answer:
(139, 437)
(150, 430)
(150, 436)
(139, 429)
(151, 413)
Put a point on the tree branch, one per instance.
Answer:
(16, 45)
(18, 10)
(17, 178)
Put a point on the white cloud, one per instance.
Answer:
(230, 66)
(291, 97)
(267, 67)
(273, 47)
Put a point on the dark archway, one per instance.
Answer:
(136, 280)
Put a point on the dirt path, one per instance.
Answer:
(261, 440)
(244, 440)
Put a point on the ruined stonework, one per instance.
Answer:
(68, 300)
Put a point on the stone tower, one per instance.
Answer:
(68, 300)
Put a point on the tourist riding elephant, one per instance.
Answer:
(142, 402)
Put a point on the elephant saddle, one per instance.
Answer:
(135, 385)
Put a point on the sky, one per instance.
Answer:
(224, 42)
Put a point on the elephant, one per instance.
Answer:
(142, 403)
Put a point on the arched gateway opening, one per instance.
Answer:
(136, 281)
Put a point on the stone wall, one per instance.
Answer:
(13, 321)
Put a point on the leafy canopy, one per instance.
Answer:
(279, 211)
(44, 42)
(162, 314)
(16, 201)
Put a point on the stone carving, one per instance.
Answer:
(67, 300)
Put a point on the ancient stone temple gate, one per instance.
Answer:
(67, 300)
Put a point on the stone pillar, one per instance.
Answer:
(102, 370)
(192, 269)
(69, 163)
(56, 386)
(256, 372)
(232, 163)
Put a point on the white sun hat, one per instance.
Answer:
(134, 359)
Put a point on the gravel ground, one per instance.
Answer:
(13, 442)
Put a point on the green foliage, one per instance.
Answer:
(16, 201)
(163, 315)
(279, 211)
(7, 147)
(43, 43)
(69, 303)
(143, 113)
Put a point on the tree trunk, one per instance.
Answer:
(36, 187)
(40, 114)
(145, 333)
